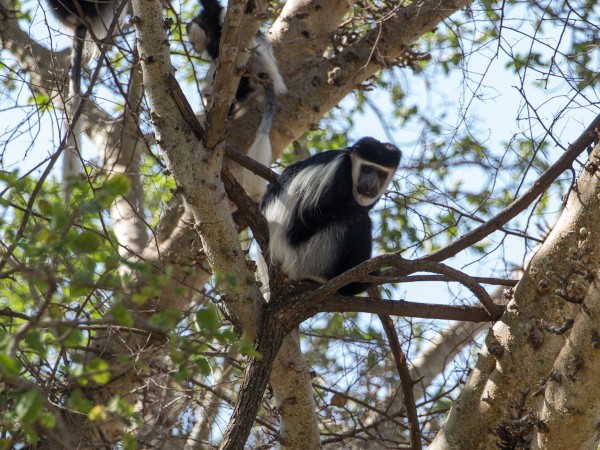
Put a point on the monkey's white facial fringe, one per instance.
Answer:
(357, 163)
(197, 37)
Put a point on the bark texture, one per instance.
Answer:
(512, 389)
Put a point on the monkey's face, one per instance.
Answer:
(369, 180)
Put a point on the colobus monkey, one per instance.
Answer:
(261, 72)
(318, 211)
(79, 16)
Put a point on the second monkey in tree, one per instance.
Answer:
(261, 74)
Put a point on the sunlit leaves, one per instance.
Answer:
(78, 402)
(208, 319)
(9, 366)
(247, 347)
(95, 371)
(129, 442)
(28, 406)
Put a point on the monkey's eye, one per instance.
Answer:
(382, 176)
(366, 169)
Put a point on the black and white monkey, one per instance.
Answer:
(318, 211)
(261, 75)
(80, 17)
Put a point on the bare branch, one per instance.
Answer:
(405, 378)
(587, 138)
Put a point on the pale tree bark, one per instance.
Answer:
(570, 404)
(504, 398)
(321, 83)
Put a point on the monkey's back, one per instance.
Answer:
(71, 12)
(317, 229)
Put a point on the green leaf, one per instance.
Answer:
(28, 406)
(48, 420)
(208, 318)
(6, 341)
(121, 314)
(117, 405)
(35, 340)
(45, 206)
(60, 217)
(85, 242)
(247, 347)
(74, 338)
(167, 319)
(229, 279)
(9, 366)
(96, 370)
(129, 442)
(99, 371)
(203, 365)
(79, 403)
(118, 184)
(98, 412)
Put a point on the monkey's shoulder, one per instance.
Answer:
(328, 159)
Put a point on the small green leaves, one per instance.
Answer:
(121, 314)
(28, 406)
(208, 318)
(247, 347)
(9, 366)
(118, 184)
(97, 371)
(85, 242)
(114, 187)
(78, 402)
(129, 442)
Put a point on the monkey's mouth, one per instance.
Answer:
(370, 193)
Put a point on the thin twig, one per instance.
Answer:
(404, 372)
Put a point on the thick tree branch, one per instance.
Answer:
(303, 107)
(569, 410)
(583, 142)
(254, 383)
(496, 387)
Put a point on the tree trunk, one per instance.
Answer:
(516, 384)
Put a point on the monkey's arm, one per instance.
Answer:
(354, 250)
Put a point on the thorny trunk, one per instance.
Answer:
(529, 380)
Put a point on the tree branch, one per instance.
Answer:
(405, 378)
(587, 138)
(381, 47)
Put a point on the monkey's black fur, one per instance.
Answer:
(76, 13)
(209, 21)
(318, 210)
